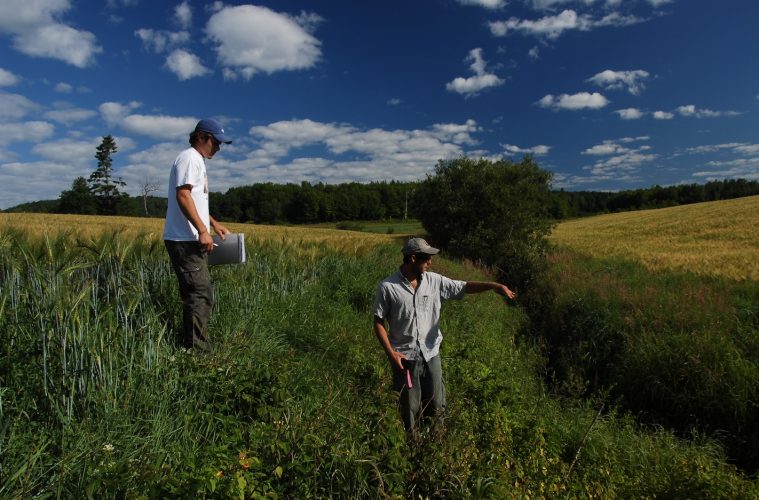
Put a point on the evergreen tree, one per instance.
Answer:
(101, 181)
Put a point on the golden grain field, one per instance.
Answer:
(89, 226)
(715, 238)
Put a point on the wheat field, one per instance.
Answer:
(718, 238)
(715, 238)
(91, 226)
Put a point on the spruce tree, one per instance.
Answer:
(101, 181)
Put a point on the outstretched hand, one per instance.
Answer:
(506, 292)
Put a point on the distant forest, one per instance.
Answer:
(305, 203)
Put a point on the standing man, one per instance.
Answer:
(409, 301)
(187, 230)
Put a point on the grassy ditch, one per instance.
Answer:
(679, 350)
(95, 400)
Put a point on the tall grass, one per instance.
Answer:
(96, 401)
(679, 350)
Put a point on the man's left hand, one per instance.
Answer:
(504, 290)
(221, 231)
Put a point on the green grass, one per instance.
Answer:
(407, 227)
(678, 349)
(95, 401)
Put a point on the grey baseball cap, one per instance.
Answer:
(419, 245)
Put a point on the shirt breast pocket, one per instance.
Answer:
(424, 303)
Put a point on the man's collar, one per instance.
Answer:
(420, 278)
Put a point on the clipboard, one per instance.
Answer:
(228, 251)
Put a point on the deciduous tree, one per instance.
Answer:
(78, 200)
(496, 212)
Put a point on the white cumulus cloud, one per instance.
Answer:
(68, 115)
(606, 148)
(113, 112)
(36, 30)
(581, 100)
(481, 80)
(663, 115)
(741, 168)
(734, 147)
(183, 15)
(33, 131)
(7, 78)
(251, 39)
(488, 4)
(539, 150)
(629, 113)
(691, 110)
(553, 26)
(633, 81)
(374, 153)
(619, 163)
(185, 65)
(159, 126)
(15, 106)
(63, 88)
(159, 41)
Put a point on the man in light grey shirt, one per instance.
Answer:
(409, 301)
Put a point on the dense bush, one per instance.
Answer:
(494, 212)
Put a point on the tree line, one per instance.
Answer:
(581, 203)
(305, 203)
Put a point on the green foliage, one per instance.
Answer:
(678, 350)
(582, 203)
(42, 206)
(78, 200)
(492, 211)
(96, 401)
(307, 203)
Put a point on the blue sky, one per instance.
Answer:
(607, 94)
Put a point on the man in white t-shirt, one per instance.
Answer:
(187, 230)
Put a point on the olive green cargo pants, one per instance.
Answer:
(426, 397)
(191, 267)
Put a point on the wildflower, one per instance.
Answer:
(244, 462)
(108, 448)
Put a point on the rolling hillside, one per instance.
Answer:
(714, 238)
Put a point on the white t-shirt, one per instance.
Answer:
(189, 169)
